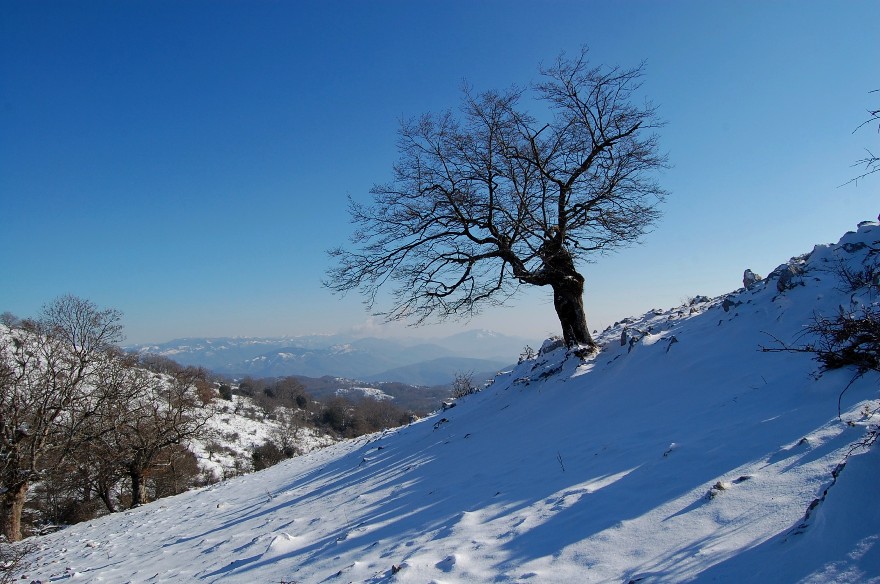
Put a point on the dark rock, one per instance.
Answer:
(551, 345)
(729, 303)
(750, 278)
(789, 277)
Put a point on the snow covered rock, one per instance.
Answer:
(787, 276)
(750, 278)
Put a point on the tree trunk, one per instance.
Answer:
(10, 511)
(568, 293)
(568, 299)
(106, 496)
(138, 487)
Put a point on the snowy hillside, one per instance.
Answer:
(680, 452)
(236, 430)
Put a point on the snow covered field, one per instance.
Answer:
(685, 455)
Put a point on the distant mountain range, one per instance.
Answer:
(411, 361)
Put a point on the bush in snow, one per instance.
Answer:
(225, 391)
(267, 454)
(13, 558)
(463, 384)
(850, 338)
(855, 278)
(527, 354)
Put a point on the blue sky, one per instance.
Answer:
(188, 162)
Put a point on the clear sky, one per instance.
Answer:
(188, 162)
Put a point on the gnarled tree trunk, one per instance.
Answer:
(138, 487)
(11, 506)
(568, 292)
(568, 299)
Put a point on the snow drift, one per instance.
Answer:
(680, 452)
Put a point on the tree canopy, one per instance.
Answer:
(491, 196)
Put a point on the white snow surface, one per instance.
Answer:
(563, 470)
(372, 392)
(239, 426)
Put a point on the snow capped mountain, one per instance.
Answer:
(681, 452)
(405, 360)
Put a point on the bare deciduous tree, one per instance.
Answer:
(287, 434)
(463, 384)
(46, 396)
(871, 161)
(494, 197)
(144, 417)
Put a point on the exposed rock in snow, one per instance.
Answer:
(787, 276)
(750, 278)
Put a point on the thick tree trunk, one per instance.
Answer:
(11, 506)
(138, 487)
(568, 299)
(106, 496)
(559, 273)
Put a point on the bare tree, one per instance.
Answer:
(871, 162)
(14, 560)
(463, 384)
(48, 368)
(144, 417)
(287, 434)
(493, 197)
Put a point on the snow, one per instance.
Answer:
(652, 461)
(239, 426)
(371, 392)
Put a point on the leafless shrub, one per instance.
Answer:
(853, 279)
(527, 354)
(851, 338)
(463, 384)
(13, 559)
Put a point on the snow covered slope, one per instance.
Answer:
(237, 429)
(687, 454)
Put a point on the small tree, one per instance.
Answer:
(286, 435)
(494, 197)
(267, 454)
(527, 354)
(225, 391)
(463, 384)
(144, 418)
